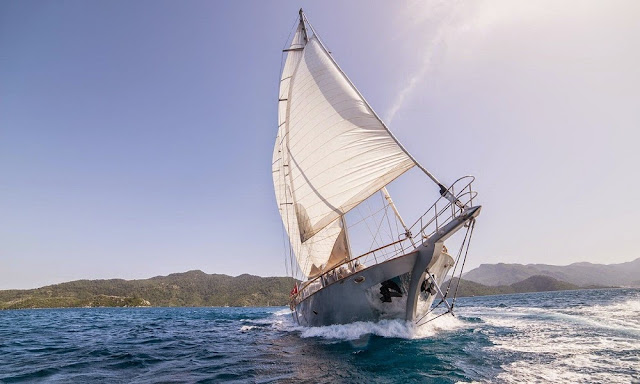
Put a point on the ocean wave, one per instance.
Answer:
(572, 343)
(571, 336)
(621, 317)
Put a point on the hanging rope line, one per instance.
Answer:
(455, 294)
(466, 242)
(457, 262)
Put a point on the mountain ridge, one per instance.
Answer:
(580, 273)
(538, 283)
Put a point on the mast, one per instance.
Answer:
(407, 232)
(443, 190)
(304, 29)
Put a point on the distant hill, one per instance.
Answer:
(193, 288)
(582, 274)
(531, 284)
(197, 289)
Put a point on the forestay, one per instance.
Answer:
(331, 153)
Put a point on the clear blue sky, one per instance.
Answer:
(136, 136)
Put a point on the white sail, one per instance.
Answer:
(329, 246)
(331, 153)
(340, 153)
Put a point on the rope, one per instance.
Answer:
(378, 232)
(430, 320)
(430, 310)
(455, 294)
(467, 239)
(357, 209)
(455, 266)
(295, 22)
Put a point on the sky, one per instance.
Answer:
(136, 136)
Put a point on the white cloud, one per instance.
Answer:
(437, 19)
(436, 24)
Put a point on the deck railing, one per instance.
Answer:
(451, 204)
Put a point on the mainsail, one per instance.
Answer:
(331, 153)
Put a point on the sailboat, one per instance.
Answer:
(332, 154)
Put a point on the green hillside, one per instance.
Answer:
(532, 284)
(193, 288)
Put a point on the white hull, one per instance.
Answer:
(358, 296)
(347, 300)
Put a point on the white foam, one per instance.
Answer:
(574, 344)
(622, 316)
(571, 344)
(384, 328)
(282, 312)
(282, 320)
(246, 328)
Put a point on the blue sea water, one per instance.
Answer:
(571, 336)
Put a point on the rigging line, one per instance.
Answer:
(375, 236)
(390, 235)
(380, 233)
(455, 266)
(283, 53)
(293, 28)
(385, 215)
(326, 220)
(455, 294)
(360, 221)
(364, 218)
(437, 287)
(373, 222)
(378, 230)
(429, 311)
(366, 223)
(430, 320)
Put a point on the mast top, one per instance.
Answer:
(304, 29)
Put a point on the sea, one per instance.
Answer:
(585, 336)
